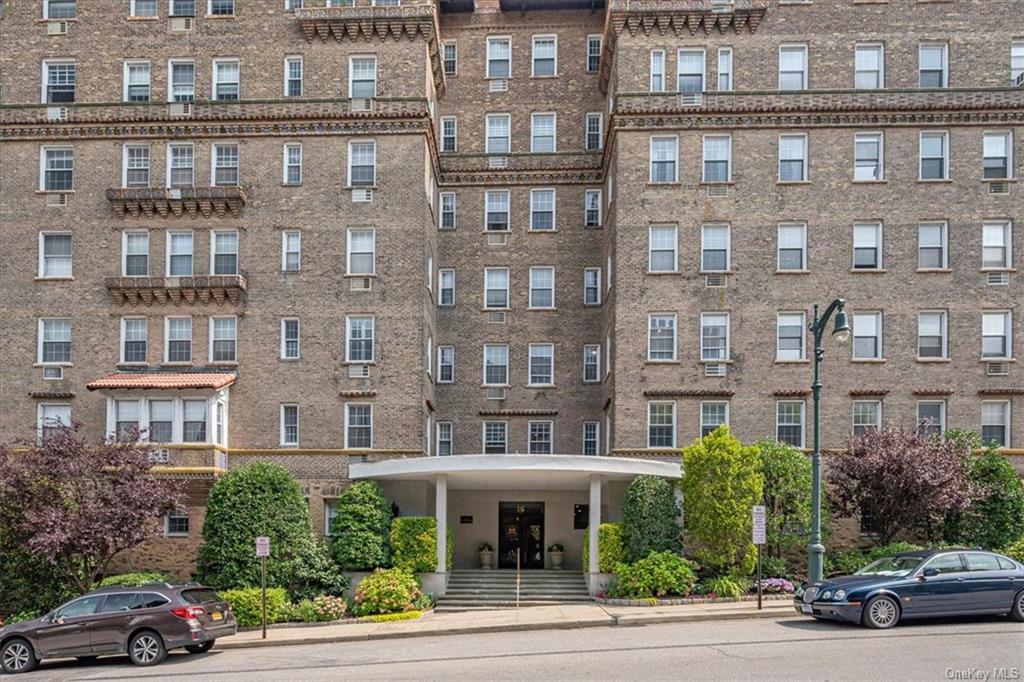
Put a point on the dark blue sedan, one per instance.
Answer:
(923, 584)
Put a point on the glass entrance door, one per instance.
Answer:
(521, 529)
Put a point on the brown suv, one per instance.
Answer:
(144, 622)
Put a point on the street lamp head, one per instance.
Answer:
(841, 330)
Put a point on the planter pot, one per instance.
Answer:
(556, 560)
(485, 559)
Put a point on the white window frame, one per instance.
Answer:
(879, 229)
(212, 339)
(728, 336)
(651, 250)
(167, 248)
(216, 82)
(942, 413)
(805, 171)
(132, 11)
(488, 58)
(943, 335)
(879, 334)
(868, 136)
(1016, 56)
(554, 209)
(373, 253)
(42, 274)
(285, 443)
(171, 63)
(215, 149)
(126, 76)
(728, 411)
(943, 244)
(483, 434)
(803, 421)
(450, 427)
(529, 365)
(505, 383)
(586, 271)
(591, 39)
(533, 132)
(454, 121)
(43, 166)
(170, 158)
(587, 194)
(507, 289)
(441, 287)
(214, 253)
(285, 165)
(596, 439)
(944, 134)
(168, 339)
(675, 159)
(490, 148)
(285, 251)
(657, 56)
(728, 245)
(351, 70)
(803, 247)
(590, 116)
(880, 48)
(537, 269)
(728, 158)
(675, 337)
(529, 436)
(853, 415)
(361, 141)
(441, 349)
(39, 342)
(47, 63)
(805, 66)
(1007, 417)
(703, 67)
(124, 162)
(674, 426)
(40, 412)
(596, 363)
(454, 210)
(454, 44)
(284, 338)
(533, 54)
(348, 424)
(349, 319)
(125, 254)
(945, 61)
(288, 61)
(1007, 334)
(1007, 136)
(803, 337)
(725, 57)
(1007, 230)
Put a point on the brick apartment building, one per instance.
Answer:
(370, 234)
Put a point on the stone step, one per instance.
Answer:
(445, 603)
(477, 581)
(458, 608)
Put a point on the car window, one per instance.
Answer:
(947, 563)
(1006, 564)
(202, 596)
(976, 561)
(86, 606)
(152, 600)
(121, 602)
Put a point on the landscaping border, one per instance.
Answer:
(683, 601)
(342, 621)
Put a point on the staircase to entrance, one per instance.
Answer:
(477, 589)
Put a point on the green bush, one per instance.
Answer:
(996, 517)
(391, 617)
(414, 543)
(650, 518)
(882, 551)
(1015, 550)
(29, 583)
(849, 561)
(727, 586)
(787, 496)
(659, 574)
(302, 612)
(774, 567)
(247, 604)
(360, 527)
(391, 590)
(134, 579)
(330, 608)
(609, 547)
(721, 482)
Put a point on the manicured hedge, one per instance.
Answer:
(414, 544)
(360, 528)
(134, 579)
(247, 603)
(650, 518)
(609, 547)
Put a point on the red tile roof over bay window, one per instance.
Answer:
(164, 380)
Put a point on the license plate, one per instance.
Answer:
(806, 608)
(217, 615)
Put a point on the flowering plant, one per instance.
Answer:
(776, 586)
(329, 608)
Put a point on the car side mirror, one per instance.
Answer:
(930, 573)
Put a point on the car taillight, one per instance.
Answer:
(187, 612)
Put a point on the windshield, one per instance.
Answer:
(202, 596)
(891, 565)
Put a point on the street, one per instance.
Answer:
(776, 649)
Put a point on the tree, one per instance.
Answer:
(360, 527)
(650, 516)
(76, 505)
(900, 479)
(787, 496)
(996, 517)
(722, 480)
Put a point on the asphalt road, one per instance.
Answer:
(783, 649)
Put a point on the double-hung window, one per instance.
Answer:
(58, 169)
(593, 53)
(715, 248)
(657, 71)
(792, 246)
(291, 250)
(446, 364)
(451, 58)
(126, 420)
(996, 252)
(358, 425)
(542, 133)
(931, 246)
(714, 337)
(183, 8)
(592, 286)
(995, 335)
(998, 155)
(496, 213)
(495, 437)
(592, 363)
(495, 365)
(934, 156)
(448, 217)
(194, 421)
(225, 79)
(690, 70)
(290, 340)
(868, 159)
(545, 56)
(221, 8)
(867, 246)
(137, 82)
(362, 77)
(995, 423)
(178, 335)
(869, 66)
(449, 134)
(499, 127)
(293, 163)
(591, 438)
(661, 337)
(542, 287)
(592, 208)
(142, 8)
(664, 156)
(445, 438)
(179, 254)
(933, 65)
(792, 158)
(60, 82)
(293, 72)
(136, 165)
(931, 335)
(661, 424)
(713, 415)
(791, 337)
(541, 437)
(183, 81)
(181, 165)
(135, 248)
(362, 163)
(59, 9)
(931, 417)
(1017, 62)
(446, 286)
(542, 209)
(499, 57)
(52, 420)
(161, 421)
(224, 252)
(867, 416)
(595, 131)
(789, 422)
(496, 288)
(361, 258)
(867, 336)
(359, 338)
(223, 339)
(725, 69)
(54, 341)
(662, 248)
(792, 67)
(55, 249)
(541, 368)
(290, 425)
(717, 158)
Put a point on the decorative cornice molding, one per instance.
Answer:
(1007, 390)
(858, 392)
(518, 413)
(689, 393)
(793, 393)
(936, 392)
(51, 395)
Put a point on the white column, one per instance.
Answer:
(595, 521)
(441, 514)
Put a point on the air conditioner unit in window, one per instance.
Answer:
(998, 369)
(715, 370)
(718, 191)
(56, 113)
(362, 196)
(159, 455)
(999, 187)
(57, 28)
(59, 199)
(181, 24)
(53, 373)
(499, 85)
(690, 99)
(495, 394)
(359, 372)
(497, 239)
(496, 318)
(998, 279)
(716, 279)
(497, 162)
(180, 108)
(361, 284)
(362, 105)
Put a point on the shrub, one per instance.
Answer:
(996, 517)
(776, 586)
(302, 612)
(727, 586)
(247, 604)
(881, 551)
(360, 527)
(787, 496)
(721, 482)
(29, 583)
(656, 575)
(317, 574)
(1015, 550)
(20, 617)
(329, 608)
(414, 543)
(650, 516)
(390, 617)
(134, 579)
(609, 547)
(844, 562)
(774, 567)
(391, 590)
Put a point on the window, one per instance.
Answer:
(446, 285)
(540, 438)
(869, 67)
(792, 246)
(595, 131)
(789, 422)
(223, 339)
(1016, 61)
(592, 286)
(55, 254)
(541, 368)
(294, 4)
(591, 439)
(293, 71)
(55, 341)
(593, 53)
(359, 342)
(224, 253)
(661, 337)
(362, 164)
(867, 415)
(995, 246)
(496, 288)
(690, 71)
(661, 424)
(291, 250)
(448, 211)
(179, 254)
(934, 156)
(931, 417)
(183, 81)
(661, 246)
(995, 335)
(499, 57)
(60, 82)
(495, 365)
(715, 247)
(292, 164)
(791, 334)
(290, 338)
(136, 82)
(143, 8)
(867, 246)
(542, 287)
(225, 79)
(714, 336)
(126, 420)
(867, 336)
(446, 364)
(542, 133)
(664, 153)
(161, 421)
(59, 9)
(362, 77)
(725, 69)
(713, 415)
(792, 158)
(498, 133)
(178, 335)
(717, 158)
(183, 8)
(290, 425)
(449, 134)
(451, 58)
(793, 67)
(495, 438)
(358, 425)
(998, 153)
(868, 158)
(933, 61)
(58, 169)
(931, 335)
(135, 161)
(592, 208)
(181, 166)
(542, 209)
(134, 338)
(135, 247)
(361, 247)
(52, 419)
(221, 7)
(497, 209)
(931, 246)
(545, 56)
(995, 423)
(657, 71)
(592, 363)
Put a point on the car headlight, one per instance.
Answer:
(839, 594)
(827, 594)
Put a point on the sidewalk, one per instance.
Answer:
(560, 617)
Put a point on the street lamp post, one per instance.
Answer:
(840, 332)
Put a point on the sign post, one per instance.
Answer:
(759, 538)
(263, 551)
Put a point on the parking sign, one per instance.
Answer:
(262, 546)
(760, 534)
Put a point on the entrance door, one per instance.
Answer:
(521, 528)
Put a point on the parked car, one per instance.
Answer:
(922, 584)
(144, 622)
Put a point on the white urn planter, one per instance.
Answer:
(486, 557)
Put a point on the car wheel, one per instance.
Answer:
(880, 613)
(146, 648)
(200, 648)
(1017, 612)
(17, 656)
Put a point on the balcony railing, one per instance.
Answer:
(190, 201)
(189, 290)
